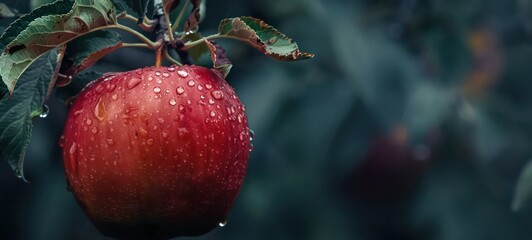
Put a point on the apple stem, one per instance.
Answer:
(146, 24)
(158, 56)
(167, 56)
(191, 44)
(138, 45)
(150, 43)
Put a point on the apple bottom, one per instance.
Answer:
(162, 224)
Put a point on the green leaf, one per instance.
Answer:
(25, 104)
(85, 51)
(138, 6)
(262, 37)
(3, 87)
(47, 32)
(197, 51)
(170, 5)
(119, 8)
(67, 93)
(56, 8)
(523, 190)
(192, 23)
(221, 62)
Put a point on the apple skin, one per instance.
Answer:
(156, 153)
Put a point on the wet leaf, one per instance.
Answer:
(170, 5)
(56, 8)
(197, 51)
(34, 37)
(263, 37)
(221, 62)
(25, 104)
(192, 23)
(85, 51)
(138, 6)
(119, 7)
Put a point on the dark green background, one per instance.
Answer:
(413, 122)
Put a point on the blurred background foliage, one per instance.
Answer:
(414, 121)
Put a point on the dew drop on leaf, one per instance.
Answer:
(45, 111)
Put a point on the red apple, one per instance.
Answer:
(156, 153)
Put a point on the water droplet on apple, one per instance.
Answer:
(99, 88)
(110, 142)
(181, 108)
(94, 130)
(89, 121)
(251, 135)
(143, 132)
(99, 110)
(191, 83)
(111, 87)
(208, 86)
(157, 90)
(171, 69)
(133, 82)
(160, 120)
(157, 73)
(45, 110)
(173, 102)
(211, 101)
(217, 94)
(165, 74)
(114, 97)
(62, 141)
(200, 88)
(212, 114)
(180, 90)
(182, 73)
(72, 149)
